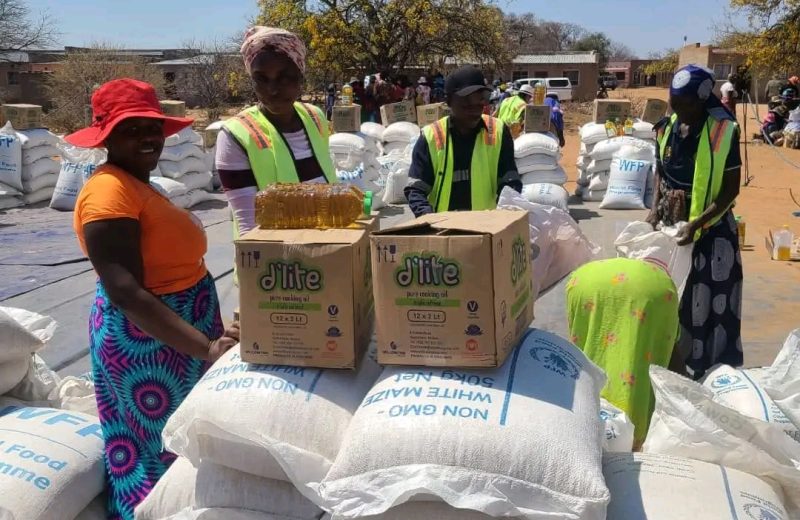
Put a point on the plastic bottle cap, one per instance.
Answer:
(738, 219)
(367, 203)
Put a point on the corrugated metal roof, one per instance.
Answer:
(556, 58)
(14, 56)
(203, 59)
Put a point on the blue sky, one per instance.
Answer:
(644, 25)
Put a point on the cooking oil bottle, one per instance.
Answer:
(783, 244)
(347, 95)
(611, 128)
(308, 206)
(628, 128)
(741, 228)
(539, 93)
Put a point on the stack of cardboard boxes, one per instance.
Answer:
(451, 289)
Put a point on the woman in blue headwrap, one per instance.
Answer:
(698, 176)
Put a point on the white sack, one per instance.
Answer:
(182, 201)
(373, 130)
(427, 511)
(41, 167)
(31, 155)
(536, 162)
(547, 194)
(37, 137)
(402, 132)
(583, 177)
(223, 419)
(198, 196)
(53, 461)
(395, 184)
(735, 389)
(688, 423)
(181, 152)
(96, 510)
(521, 440)
(558, 246)
(596, 166)
(8, 191)
(77, 165)
(23, 332)
(655, 487)
(170, 188)
(346, 143)
(535, 143)
(783, 384)
(626, 184)
(644, 130)
(599, 181)
(196, 180)
(556, 176)
(8, 202)
(174, 169)
(588, 195)
(12, 372)
(606, 150)
(639, 241)
(10, 157)
(48, 180)
(649, 188)
(592, 133)
(191, 513)
(76, 394)
(396, 148)
(618, 429)
(38, 383)
(187, 135)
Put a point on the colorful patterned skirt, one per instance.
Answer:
(140, 382)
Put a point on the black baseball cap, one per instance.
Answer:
(465, 81)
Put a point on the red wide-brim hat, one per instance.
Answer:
(118, 100)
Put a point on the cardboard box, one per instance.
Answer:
(537, 118)
(605, 109)
(397, 112)
(173, 108)
(454, 288)
(346, 119)
(23, 117)
(427, 114)
(654, 110)
(305, 296)
(210, 137)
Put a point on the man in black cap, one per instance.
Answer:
(462, 162)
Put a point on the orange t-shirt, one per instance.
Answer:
(173, 241)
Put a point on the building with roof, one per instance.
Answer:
(582, 69)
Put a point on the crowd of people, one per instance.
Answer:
(155, 323)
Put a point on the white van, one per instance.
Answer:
(560, 86)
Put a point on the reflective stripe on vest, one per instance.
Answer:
(483, 168)
(709, 165)
(269, 155)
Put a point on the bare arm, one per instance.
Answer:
(113, 248)
(652, 218)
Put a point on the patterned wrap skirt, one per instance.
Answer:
(140, 382)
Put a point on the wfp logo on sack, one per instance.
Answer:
(556, 360)
(725, 380)
(759, 512)
(626, 165)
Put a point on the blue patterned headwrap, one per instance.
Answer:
(698, 82)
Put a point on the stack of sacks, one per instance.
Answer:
(40, 164)
(521, 440)
(375, 132)
(51, 463)
(175, 191)
(245, 462)
(10, 168)
(690, 422)
(591, 134)
(597, 165)
(399, 138)
(630, 166)
(543, 179)
(397, 167)
(184, 160)
(355, 157)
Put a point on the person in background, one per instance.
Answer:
(792, 89)
(512, 110)
(277, 140)
(773, 124)
(697, 179)
(438, 88)
(494, 100)
(330, 101)
(556, 117)
(369, 109)
(358, 91)
(623, 314)
(729, 94)
(774, 87)
(423, 92)
(463, 161)
(155, 320)
(384, 90)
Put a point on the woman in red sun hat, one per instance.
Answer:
(155, 322)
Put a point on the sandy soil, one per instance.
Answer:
(772, 307)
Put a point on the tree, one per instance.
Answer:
(527, 34)
(21, 30)
(390, 35)
(620, 52)
(597, 42)
(771, 41)
(71, 85)
(665, 62)
(216, 77)
(562, 36)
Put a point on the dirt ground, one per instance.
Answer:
(772, 298)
